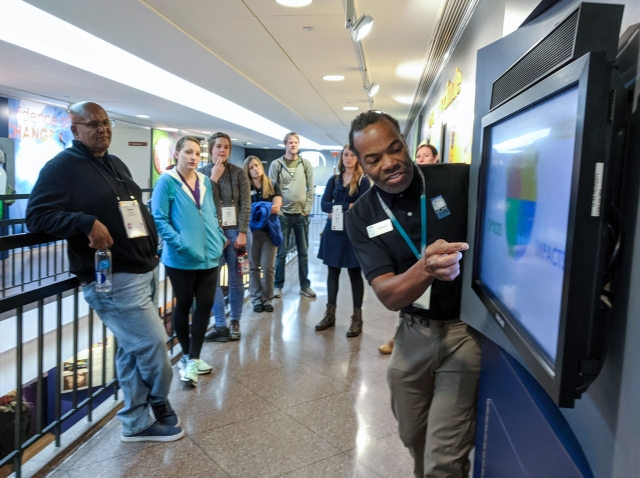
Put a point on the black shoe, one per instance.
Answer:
(258, 308)
(268, 308)
(218, 334)
(165, 415)
(329, 319)
(155, 432)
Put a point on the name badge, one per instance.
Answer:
(337, 219)
(379, 228)
(440, 207)
(132, 219)
(424, 301)
(229, 216)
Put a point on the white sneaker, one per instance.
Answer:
(277, 292)
(189, 373)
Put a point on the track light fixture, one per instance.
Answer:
(372, 89)
(361, 28)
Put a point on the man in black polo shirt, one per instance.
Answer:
(434, 369)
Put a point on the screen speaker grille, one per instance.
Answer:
(547, 55)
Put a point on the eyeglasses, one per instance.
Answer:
(97, 124)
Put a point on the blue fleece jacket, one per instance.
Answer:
(192, 237)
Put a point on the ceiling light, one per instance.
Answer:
(361, 28)
(294, 3)
(372, 89)
(108, 61)
(142, 116)
(248, 142)
(410, 69)
(350, 108)
(333, 78)
(170, 130)
(206, 132)
(265, 147)
(308, 29)
(281, 145)
(234, 139)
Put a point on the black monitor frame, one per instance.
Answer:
(579, 341)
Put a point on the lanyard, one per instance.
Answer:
(423, 219)
(230, 181)
(115, 173)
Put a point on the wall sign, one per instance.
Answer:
(452, 91)
(138, 143)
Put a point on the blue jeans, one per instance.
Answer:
(299, 224)
(236, 288)
(130, 311)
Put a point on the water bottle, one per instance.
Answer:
(103, 270)
(243, 263)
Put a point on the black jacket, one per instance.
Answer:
(73, 190)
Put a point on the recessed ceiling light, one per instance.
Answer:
(123, 67)
(281, 145)
(350, 108)
(170, 130)
(248, 142)
(234, 139)
(294, 3)
(206, 132)
(265, 147)
(142, 116)
(333, 78)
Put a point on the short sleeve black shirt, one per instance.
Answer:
(256, 194)
(388, 252)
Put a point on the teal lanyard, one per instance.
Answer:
(423, 219)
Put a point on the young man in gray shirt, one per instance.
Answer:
(294, 174)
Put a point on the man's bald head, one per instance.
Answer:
(80, 111)
(91, 126)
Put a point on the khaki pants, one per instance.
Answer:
(433, 376)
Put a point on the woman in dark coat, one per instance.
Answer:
(336, 251)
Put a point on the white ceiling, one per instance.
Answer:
(252, 52)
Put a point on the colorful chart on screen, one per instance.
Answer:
(526, 215)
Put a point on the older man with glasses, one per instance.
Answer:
(84, 195)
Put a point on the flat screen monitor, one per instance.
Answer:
(541, 239)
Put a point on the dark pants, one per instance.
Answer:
(357, 285)
(188, 284)
(299, 224)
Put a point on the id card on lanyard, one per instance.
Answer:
(228, 213)
(424, 301)
(337, 218)
(132, 219)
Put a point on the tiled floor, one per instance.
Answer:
(284, 401)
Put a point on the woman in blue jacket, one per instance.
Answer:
(186, 219)
(336, 250)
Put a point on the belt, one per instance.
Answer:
(423, 321)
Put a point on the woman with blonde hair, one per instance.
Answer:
(262, 251)
(336, 251)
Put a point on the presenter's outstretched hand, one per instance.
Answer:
(442, 259)
(99, 237)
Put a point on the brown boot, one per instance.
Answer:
(356, 324)
(387, 348)
(329, 319)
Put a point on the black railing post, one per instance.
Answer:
(40, 391)
(90, 371)
(58, 404)
(17, 460)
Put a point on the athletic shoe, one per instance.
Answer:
(189, 374)
(268, 307)
(258, 307)
(235, 330)
(182, 363)
(165, 415)
(277, 292)
(155, 432)
(218, 334)
(307, 292)
(203, 367)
